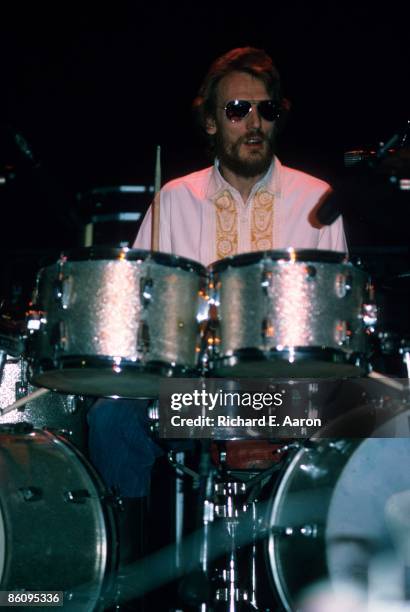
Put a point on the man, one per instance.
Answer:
(247, 201)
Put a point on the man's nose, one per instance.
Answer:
(254, 118)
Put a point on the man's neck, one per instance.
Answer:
(240, 183)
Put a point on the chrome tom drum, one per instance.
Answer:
(113, 322)
(293, 313)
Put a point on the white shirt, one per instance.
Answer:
(202, 217)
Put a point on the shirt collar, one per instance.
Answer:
(270, 182)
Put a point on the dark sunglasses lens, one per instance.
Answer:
(268, 110)
(237, 109)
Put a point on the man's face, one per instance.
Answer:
(244, 147)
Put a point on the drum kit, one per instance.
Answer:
(117, 322)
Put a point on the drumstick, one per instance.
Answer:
(155, 205)
(23, 400)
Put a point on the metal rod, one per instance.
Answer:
(385, 380)
(156, 203)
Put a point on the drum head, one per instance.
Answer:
(357, 531)
(100, 252)
(103, 378)
(337, 492)
(284, 255)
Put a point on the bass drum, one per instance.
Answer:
(56, 531)
(327, 520)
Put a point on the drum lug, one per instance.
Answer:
(143, 337)
(78, 496)
(343, 284)
(266, 281)
(315, 472)
(268, 329)
(369, 313)
(341, 446)
(58, 337)
(62, 290)
(71, 406)
(146, 284)
(31, 494)
(343, 333)
(312, 530)
(114, 500)
(210, 336)
(34, 320)
(64, 433)
(309, 531)
(21, 390)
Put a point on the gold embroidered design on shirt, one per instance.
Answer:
(226, 226)
(262, 221)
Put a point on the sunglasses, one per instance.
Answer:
(236, 110)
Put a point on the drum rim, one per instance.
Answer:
(298, 354)
(161, 370)
(271, 548)
(97, 253)
(299, 255)
(275, 507)
(107, 562)
(107, 513)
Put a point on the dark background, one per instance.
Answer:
(94, 89)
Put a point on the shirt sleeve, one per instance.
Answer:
(143, 239)
(332, 237)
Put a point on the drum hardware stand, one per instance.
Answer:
(176, 460)
(236, 500)
(233, 501)
(386, 380)
(224, 584)
(153, 417)
(231, 582)
(194, 588)
(405, 352)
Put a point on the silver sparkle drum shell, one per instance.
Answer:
(56, 531)
(288, 314)
(114, 322)
(61, 413)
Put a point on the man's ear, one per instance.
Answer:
(210, 126)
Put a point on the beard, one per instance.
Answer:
(256, 164)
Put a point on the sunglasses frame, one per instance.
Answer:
(276, 108)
